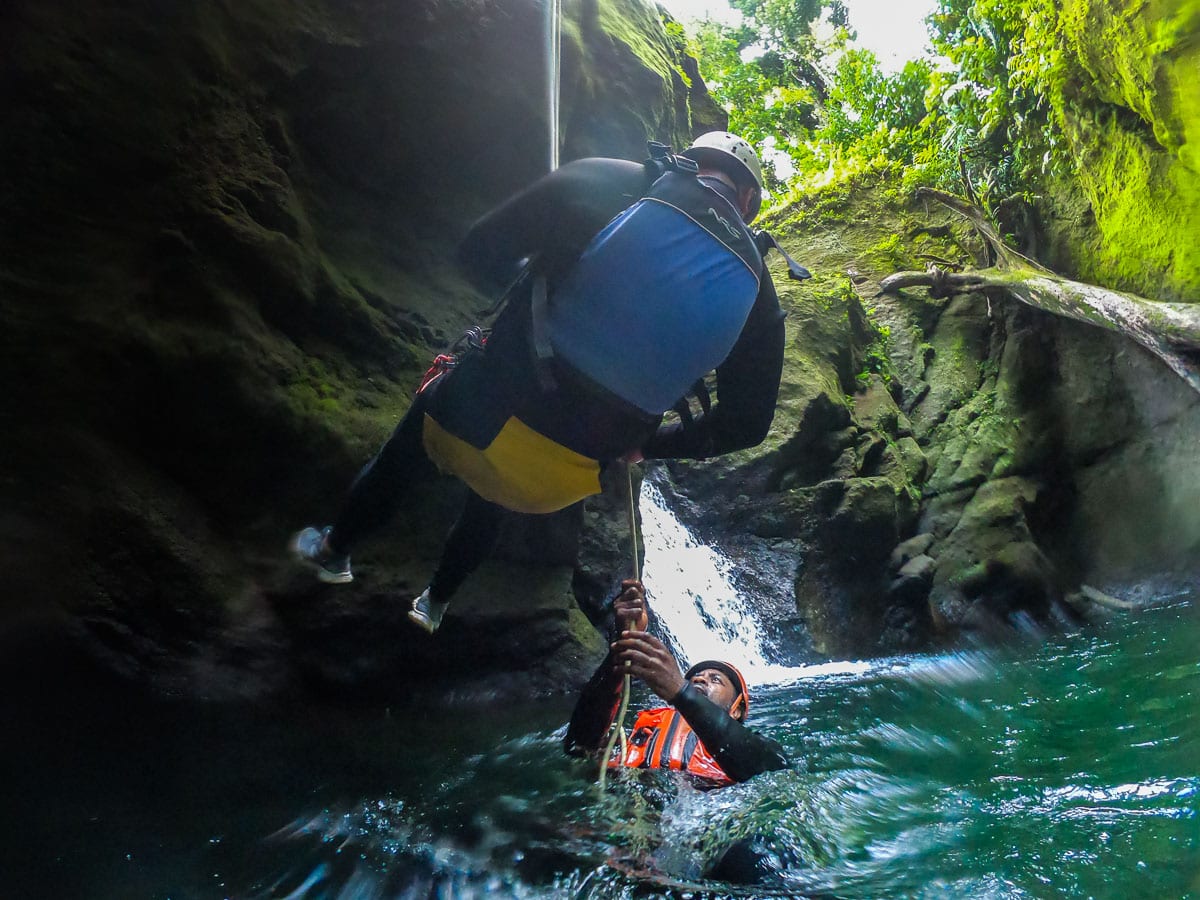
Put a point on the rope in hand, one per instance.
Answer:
(617, 731)
(553, 81)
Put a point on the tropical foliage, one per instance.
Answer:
(983, 105)
(765, 71)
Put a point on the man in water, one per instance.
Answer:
(610, 326)
(700, 732)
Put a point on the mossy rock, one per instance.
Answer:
(1132, 119)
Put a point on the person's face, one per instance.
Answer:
(716, 686)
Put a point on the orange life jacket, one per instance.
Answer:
(662, 739)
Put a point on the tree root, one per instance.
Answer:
(1106, 600)
(1171, 331)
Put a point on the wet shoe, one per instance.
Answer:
(427, 613)
(311, 548)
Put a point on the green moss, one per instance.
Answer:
(807, 208)
(627, 50)
(583, 633)
(1133, 124)
(958, 352)
(830, 293)
(877, 358)
(633, 23)
(892, 250)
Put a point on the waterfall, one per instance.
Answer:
(691, 589)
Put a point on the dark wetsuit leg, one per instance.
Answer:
(380, 487)
(470, 541)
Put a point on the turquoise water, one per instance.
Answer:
(1063, 766)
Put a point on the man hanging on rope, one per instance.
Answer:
(700, 732)
(635, 280)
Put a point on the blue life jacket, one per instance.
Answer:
(659, 297)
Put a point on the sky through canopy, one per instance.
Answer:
(893, 29)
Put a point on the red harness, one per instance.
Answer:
(662, 739)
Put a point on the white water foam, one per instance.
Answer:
(690, 588)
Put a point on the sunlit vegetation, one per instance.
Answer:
(983, 106)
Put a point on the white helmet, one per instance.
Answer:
(717, 147)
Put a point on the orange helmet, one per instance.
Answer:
(743, 697)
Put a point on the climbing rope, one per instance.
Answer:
(553, 83)
(553, 74)
(618, 726)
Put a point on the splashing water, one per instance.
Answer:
(1059, 767)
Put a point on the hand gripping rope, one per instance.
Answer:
(617, 732)
(553, 79)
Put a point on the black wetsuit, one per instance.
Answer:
(740, 752)
(555, 219)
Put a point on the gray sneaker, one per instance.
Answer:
(311, 548)
(427, 613)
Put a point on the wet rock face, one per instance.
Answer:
(943, 467)
(226, 255)
(226, 263)
(1129, 110)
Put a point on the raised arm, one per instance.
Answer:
(740, 752)
(598, 701)
(557, 215)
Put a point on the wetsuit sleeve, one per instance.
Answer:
(555, 217)
(594, 711)
(740, 752)
(747, 391)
